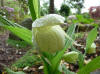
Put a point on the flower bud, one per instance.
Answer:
(71, 57)
(92, 49)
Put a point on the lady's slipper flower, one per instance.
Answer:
(47, 33)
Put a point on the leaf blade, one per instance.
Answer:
(93, 65)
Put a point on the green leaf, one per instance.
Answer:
(91, 66)
(22, 33)
(91, 37)
(18, 30)
(34, 6)
(71, 30)
(47, 66)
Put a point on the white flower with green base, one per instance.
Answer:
(50, 39)
(47, 33)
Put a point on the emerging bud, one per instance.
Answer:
(71, 57)
(92, 49)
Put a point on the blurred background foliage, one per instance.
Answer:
(18, 11)
(65, 10)
(15, 10)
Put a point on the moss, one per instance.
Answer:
(29, 59)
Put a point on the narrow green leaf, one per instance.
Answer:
(81, 60)
(47, 66)
(21, 33)
(34, 6)
(18, 30)
(90, 67)
(32, 10)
